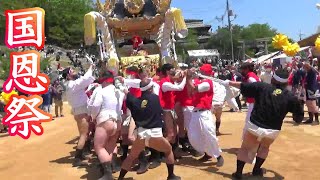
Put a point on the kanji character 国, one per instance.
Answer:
(24, 116)
(25, 74)
(25, 27)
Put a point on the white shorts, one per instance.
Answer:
(107, 115)
(217, 104)
(146, 134)
(80, 110)
(262, 132)
(126, 121)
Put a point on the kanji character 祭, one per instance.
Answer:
(24, 116)
(25, 27)
(25, 74)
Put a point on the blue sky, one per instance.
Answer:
(287, 16)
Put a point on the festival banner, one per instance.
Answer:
(25, 27)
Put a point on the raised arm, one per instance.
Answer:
(132, 83)
(85, 80)
(167, 86)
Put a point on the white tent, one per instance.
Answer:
(283, 55)
(203, 52)
(280, 56)
(266, 57)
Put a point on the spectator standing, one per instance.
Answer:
(57, 91)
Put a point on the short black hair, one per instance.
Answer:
(282, 73)
(165, 68)
(65, 72)
(133, 68)
(158, 70)
(247, 65)
(107, 74)
(144, 83)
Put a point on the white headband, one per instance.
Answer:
(279, 79)
(147, 86)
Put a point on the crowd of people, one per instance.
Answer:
(173, 112)
(180, 109)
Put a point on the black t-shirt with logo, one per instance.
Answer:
(271, 105)
(146, 110)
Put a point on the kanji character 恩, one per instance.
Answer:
(25, 74)
(24, 116)
(25, 27)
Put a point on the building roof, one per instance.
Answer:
(193, 20)
(196, 23)
(309, 41)
(198, 26)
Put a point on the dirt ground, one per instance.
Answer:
(294, 155)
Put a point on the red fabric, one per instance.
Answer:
(136, 92)
(246, 79)
(318, 77)
(206, 69)
(183, 96)
(108, 80)
(137, 42)
(156, 80)
(233, 77)
(203, 100)
(124, 107)
(290, 79)
(89, 93)
(166, 98)
(135, 74)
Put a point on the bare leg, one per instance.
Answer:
(246, 153)
(104, 145)
(137, 147)
(218, 113)
(105, 140)
(162, 145)
(180, 121)
(83, 128)
(261, 156)
(170, 127)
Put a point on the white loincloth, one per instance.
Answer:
(202, 133)
(146, 134)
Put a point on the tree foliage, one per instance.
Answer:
(190, 43)
(5, 63)
(63, 19)
(221, 40)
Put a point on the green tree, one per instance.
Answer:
(5, 63)
(221, 40)
(64, 24)
(255, 31)
(190, 43)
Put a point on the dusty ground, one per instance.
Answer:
(294, 155)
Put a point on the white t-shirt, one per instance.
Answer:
(219, 92)
(266, 77)
(76, 90)
(107, 103)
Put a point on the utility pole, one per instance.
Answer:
(300, 35)
(230, 28)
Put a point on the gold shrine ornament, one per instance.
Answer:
(317, 44)
(162, 5)
(134, 6)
